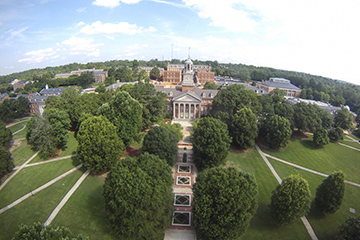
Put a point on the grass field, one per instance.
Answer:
(331, 157)
(22, 153)
(262, 225)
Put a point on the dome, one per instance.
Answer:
(188, 61)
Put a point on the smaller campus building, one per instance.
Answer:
(281, 83)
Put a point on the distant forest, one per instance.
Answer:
(313, 87)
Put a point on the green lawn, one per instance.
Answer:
(17, 127)
(31, 178)
(325, 227)
(22, 153)
(19, 135)
(262, 225)
(37, 208)
(331, 157)
(351, 143)
(85, 211)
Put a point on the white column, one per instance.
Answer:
(174, 116)
(184, 109)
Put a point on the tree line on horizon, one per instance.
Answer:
(314, 87)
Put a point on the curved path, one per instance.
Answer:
(303, 219)
(47, 161)
(19, 130)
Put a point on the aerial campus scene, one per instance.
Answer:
(183, 119)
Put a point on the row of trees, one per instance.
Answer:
(6, 161)
(14, 108)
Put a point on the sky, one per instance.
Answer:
(319, 37)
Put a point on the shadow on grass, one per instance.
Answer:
(308, 144)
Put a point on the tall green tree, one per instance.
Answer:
(243, 128)
(290, 200)
(40, 134)
(209, 85)
(99, 145)
(154, 73)
(6, 161)
(138, 197)
(276, 131)
(320, 137)
(306, 117)
(350, 230)
(162, 142)
(211, 142)
(5, 135)
(330, 193)
(343, 119)
(126, 114)
(224, 203)
(229, 100)
(336, 134)
(60, 122)
(37, 231)
(154, 102)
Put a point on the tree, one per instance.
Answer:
(244, 76)
(306, 117)
(6, 161)
(162, 142)
(210, 85)
(5, 135)
(39, 133)
(100, 89)
(154, 73)
(290, 199)
(154, 102)
(320, 137)
(343, 119)
(211, 142)
(37, 231)
(243, 128)
(138, 197)
(327, 120)
(60, 122)
(350, 230)
(99, 145)
(229, 100)
(176, 127)
(125, 113)
(336, 134)
(224, 203)
(330, 193)
(277, 131)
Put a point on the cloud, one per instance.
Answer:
(78, 46)
(113, 3)
(80, 10)
(229, 14)
(132, 50)
(39, 55)
(112, 28)
(80, 24)
(169, 3)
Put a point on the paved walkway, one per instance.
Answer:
(19, 130)
(354, 148)
(24, 120)
(47, 161)
(18, 170)
(66, 198)
(303, 219)
(32, 193)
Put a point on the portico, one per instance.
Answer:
(186, 106)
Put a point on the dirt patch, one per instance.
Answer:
(14, 145)
(298, 135)
(239, 150)
(131, 151)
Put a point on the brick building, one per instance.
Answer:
(281, 83)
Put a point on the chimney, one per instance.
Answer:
(262, 81)
(46, 86)
(117, 81)
(265, 82)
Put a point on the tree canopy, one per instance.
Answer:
(60, 122)
(37, 231)
(243, 128)
(14, 108)
(224, 203)
(229, 100)
(6, 161)
(276, 131)
(336, 134)
(350, 230)
(138, 197)
(306, 117)
(126, 114)
(343, 119)
(5, 135)
(211, 142)
(330, 193)
(290, 200)
(162, 142)
(210, 85)
(99, 145)
(154, 73)
(320, 137)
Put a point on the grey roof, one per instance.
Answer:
(3, 95)
(38, 99)
(199, 93)
(119, 84)
(330, 108)
(21, 82)
(55, 91)
(281, 83)
(22, 95)
(247, 87)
